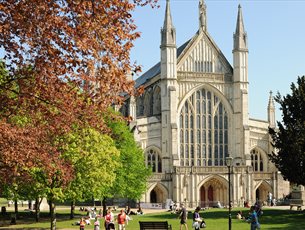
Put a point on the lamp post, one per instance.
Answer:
(229, 161)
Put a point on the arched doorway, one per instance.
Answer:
(261, 192)
(153, 196)
(158, 194)
(257, 196)
(212, 191)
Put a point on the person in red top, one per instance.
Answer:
(121, 220)
(82, 224)
(109, 221)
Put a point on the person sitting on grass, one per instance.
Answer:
(239, 215)
(140, 211)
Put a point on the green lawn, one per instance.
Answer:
(215, 218)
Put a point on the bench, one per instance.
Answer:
(299, 206)
(296, 203)
(148, 225)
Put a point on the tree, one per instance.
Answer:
(28, 151)
(289, 139)
(67, 40)
(67, 63)
(94, 158)
(131, 177)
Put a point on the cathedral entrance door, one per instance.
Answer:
(153, 196)
(210, 195)
(203, 202)
(206, 197)
(213, 192)
(257, 197)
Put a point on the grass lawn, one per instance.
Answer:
(216, 219)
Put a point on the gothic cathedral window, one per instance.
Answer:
(257, 161)
(203, 130)
(153, 160)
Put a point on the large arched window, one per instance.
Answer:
(125, 108)
(157, 101)
(203, 130)
(140, 106)
(153, 160)
(148, 103)
(257, 161)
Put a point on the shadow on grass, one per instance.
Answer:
(217, 219)
(273, 219)
(27, 218)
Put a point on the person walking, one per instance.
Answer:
(122, 219)
(253, 219)
(96, 224)
(198, 222)
(82, 224)
(183, 217)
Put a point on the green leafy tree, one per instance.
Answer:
(131, 177)
(94, 158)
(289, 139)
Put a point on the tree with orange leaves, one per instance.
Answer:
(67, 62)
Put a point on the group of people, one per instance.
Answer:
(271, 201)
(109, 223)
(199, 222)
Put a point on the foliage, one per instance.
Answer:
(95, 159)
(289, 139)
(132, 175)
(67, 62)
(70, 41)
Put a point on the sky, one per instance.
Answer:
(276, 40)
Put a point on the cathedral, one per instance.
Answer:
(193, 117)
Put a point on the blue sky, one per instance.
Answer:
(276, 40)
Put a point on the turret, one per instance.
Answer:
(240, 53)
(241, 145)
(240, 36)
(168, 32)
(271, 111)
(169, 89)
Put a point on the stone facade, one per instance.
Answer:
(193, 114)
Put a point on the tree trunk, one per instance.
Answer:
(30, 205)
(52, 214)
(104, 206)
(37, 209)
(49, 202)
(16, 208)
(72, 209)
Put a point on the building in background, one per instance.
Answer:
(193, 114)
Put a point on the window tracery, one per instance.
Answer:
(257, 161)
(203, 130)
(153, 160)
(157, 101)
